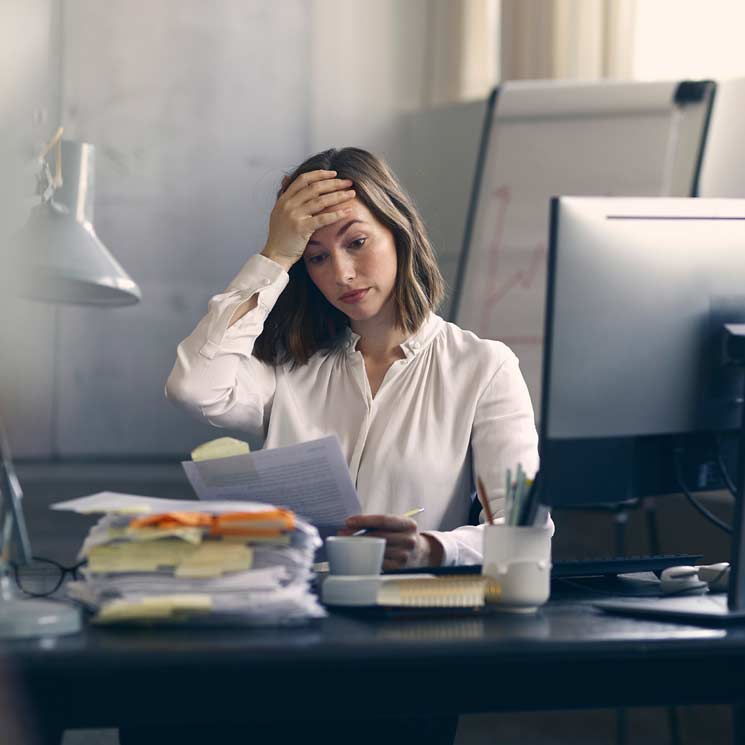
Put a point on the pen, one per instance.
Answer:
(517, 497)
(507, 495)
(484, 501)
(530, 507)
(410, 513)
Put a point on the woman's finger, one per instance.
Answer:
(305, 197)
(315, 222)
(307, 179)
(314, 206)
(392, 523)
(398, 562)
(396, 554)
(405, 541)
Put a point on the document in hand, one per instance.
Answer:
(311, 479)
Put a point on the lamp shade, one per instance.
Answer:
(62, 260)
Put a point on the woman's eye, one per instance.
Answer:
(316, 259)
(358, 243)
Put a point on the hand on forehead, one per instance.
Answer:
(328, 233)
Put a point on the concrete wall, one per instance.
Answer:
(196, 111)
(29, 110)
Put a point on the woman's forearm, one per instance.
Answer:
(253, 301)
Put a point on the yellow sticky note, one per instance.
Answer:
(222, 447)
(157, 607)
(138, 557)
(208, 559)
(190, 535)
(212, 559)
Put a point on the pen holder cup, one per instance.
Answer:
(519, 558)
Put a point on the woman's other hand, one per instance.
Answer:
(304, 207)
(405, 546)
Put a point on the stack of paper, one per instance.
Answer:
(216, 562)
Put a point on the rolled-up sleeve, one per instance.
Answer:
(216, 377)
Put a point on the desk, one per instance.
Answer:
(568, 656)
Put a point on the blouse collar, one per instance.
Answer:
(412, 346)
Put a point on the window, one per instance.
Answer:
(677, 39)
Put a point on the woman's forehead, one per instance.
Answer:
(359, 212)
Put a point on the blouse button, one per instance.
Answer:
(267, 281)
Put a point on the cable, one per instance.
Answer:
(710, 516)
(723, 468)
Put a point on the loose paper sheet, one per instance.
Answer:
(311, 478)
(134, 504)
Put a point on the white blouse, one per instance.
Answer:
(456, 407)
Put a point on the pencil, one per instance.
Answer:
(485, 502)
(410, 513)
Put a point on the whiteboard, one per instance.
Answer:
(723, 165)
(546, 138)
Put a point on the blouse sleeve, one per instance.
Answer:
(502, 436)
(215, 376)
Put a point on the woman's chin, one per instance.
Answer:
(359, 314)
(359, 311)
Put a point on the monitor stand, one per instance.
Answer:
(716, 610)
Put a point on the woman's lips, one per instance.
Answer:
(354, 297)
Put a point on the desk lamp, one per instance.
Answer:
(59, 259)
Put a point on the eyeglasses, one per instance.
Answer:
(42, 577)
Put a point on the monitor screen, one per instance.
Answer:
(638, 292)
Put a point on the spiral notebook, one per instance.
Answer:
(425, 591)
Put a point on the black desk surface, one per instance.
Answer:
(567, 656)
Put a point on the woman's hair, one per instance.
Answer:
(302, 321)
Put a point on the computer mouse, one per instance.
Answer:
(682, 580)
(716, 575)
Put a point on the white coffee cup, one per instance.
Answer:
(519, 557)
(355, 554)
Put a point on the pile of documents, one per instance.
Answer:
(162, 560)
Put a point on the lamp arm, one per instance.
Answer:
(13, 521)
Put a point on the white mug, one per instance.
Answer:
(519, 557)
(361, 555)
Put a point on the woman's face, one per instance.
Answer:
(353, 263)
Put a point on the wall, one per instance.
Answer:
(371, 87)
(29, 109)
(196, 111)
(438, 165)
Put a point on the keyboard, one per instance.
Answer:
(612, 565)
(571, 568)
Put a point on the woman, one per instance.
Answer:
(331, 329)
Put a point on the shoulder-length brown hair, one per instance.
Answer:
(302, 321)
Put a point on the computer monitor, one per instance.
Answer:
(639, 291)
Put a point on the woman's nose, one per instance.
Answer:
(343, 268)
